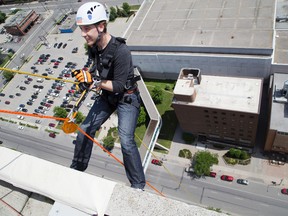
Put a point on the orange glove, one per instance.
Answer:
(82, 76)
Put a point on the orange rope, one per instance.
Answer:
(83, 132)
(118, 160)
(33, 115)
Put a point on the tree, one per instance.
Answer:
(113, 14)
(2, 17)
(79, 118)
(142, 116)
(8, 75)
(108, 143)
(60, 112)
(157, 95)
(203, 161)
(126, 9)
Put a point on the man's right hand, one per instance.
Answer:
(82, 76)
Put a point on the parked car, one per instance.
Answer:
(22, 88)
(53, 135)
(52, 125)
(11, 96)
(212, 174)
(59, 45)
(64, 45)
(157, 162)
(24, 110)
(227, 178)
(189, 170)
(18, 94)
(29, 103)
(20, 127)
(284, 191)
(7, 102)
(243, 181)
(20, 117)
(2, 94)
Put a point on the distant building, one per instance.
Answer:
(67, 23)
(277, 134)
(20, 23)
(224, 109)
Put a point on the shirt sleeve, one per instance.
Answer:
(122, 66)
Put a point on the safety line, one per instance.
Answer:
(33, 115)
(37, 75)
(83, 132)
(98, 144)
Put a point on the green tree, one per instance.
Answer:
(203, 160)
(8, 75)
(126, 9)
(2, 17)
(79, 118)
(185, 153)
(157, 95)
(108, 143)
(119, 12)
(113, 14)
(60, 112)
(142, 116)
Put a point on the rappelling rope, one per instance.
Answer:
(81, 131)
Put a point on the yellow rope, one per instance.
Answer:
(36, 75)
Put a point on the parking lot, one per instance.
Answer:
(39, 95)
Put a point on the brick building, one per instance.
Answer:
(21, 22)
(224, 109)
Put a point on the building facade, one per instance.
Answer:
(277, 131)
(223, 109)
(21, 22)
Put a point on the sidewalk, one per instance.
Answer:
(259, 170)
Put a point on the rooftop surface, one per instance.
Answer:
(206, 23)
(279, 108)
(229, 93)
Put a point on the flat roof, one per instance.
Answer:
(279, 107)
(227, 93)
(205, 23)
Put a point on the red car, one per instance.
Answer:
(284, 191)
(59, 88)
(227, 178)
(51, 125)
(47, 105)
(53, 135)
(71, 91)
(157, 162)
(212, 174)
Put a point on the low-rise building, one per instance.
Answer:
(277, 134)
(224, 109)
(20, 23)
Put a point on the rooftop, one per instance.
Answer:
(206, 23)
(228, 93)
(279, 108)
(75, 193)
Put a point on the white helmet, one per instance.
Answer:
(91, 13)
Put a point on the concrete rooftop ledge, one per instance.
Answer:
(77, 193)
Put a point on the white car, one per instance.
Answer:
(20, 127)
(243, 181)
(20, 117)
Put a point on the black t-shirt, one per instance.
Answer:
(121, 68)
